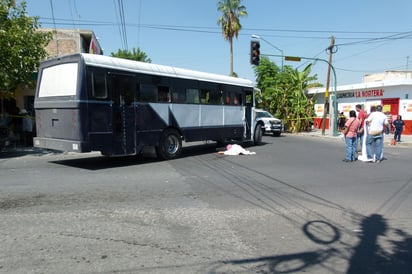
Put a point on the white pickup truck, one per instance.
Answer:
(268, 122)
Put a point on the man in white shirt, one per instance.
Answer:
(376, 121)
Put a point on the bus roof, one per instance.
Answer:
(149, 68)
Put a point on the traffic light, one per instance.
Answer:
(254, 53)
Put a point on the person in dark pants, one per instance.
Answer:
(399, 124)
(27, 128)
(376, 123)
(361, 131)
(341, 121)
(350, 131)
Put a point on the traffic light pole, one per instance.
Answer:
(275, 47)
(334, 114)
(330, 49)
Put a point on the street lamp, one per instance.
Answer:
(281, 51)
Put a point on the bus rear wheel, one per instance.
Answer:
(170, 145)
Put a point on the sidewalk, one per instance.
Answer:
(406, 140)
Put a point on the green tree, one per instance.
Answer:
(284, 93)
(231, 10)
(303, 108)
(21, 46)
(134, 54)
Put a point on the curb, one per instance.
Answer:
(387, 140)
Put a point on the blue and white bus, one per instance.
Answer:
(88, 102)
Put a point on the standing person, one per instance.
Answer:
(361, 131)
(27, 128)
(341, 121)
(376, 122)
(350, 131)
(399, 124)
(389, 117)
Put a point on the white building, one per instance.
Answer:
(391, 89)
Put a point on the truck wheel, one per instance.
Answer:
(257, 136)
(170, 145)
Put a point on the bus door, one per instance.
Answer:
(249, 102)
(123, 90)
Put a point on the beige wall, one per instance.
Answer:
(387, 75)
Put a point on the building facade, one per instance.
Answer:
(391, 89)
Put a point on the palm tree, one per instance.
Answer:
(231, 10)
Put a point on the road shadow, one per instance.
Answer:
(288, 263)
(15, 152)
(147, 156)
(368, 256)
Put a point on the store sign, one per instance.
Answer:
(346, 95)
(362, 93)
(369, 93)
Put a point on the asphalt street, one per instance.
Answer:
(292, 207)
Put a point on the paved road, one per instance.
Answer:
(293, 207)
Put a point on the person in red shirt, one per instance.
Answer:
(361, 118)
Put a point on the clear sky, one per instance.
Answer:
(371, 35)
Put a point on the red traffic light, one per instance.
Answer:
(254, 53)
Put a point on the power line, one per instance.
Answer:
(201, 29)
(396, 36)
(121, 23)
(380, 40)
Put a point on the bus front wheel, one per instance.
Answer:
(170, 145)
(257, 136)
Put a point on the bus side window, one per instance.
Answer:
(204, 96)
(163, 94)
(192, 96)
(148, 93)
(227, 98)
(178, 96)
(237, 99)
(233, 96)
(249, 100)
(98, 82)
(215, 97)
(128, 91)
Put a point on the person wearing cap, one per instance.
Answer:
(376, 121)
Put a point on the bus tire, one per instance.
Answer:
(170, 145)
(257, 136)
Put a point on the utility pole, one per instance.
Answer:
(331, 50)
